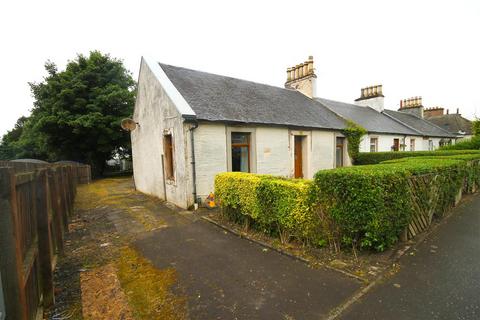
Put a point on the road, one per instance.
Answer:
(439, 280)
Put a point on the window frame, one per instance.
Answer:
(375, 144)
(343, 151)
(169, 156)
(252, 151)
(412, 143)
(241, 145)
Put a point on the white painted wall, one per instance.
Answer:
(273, 149)
(156, 114)
(210, 156)
(385, 142)
(273, 152)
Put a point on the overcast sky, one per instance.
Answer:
(414, 48)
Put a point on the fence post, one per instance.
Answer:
(10, 256)
(55, 207)
(44, 236)
(2, 301)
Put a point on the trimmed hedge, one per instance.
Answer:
(365, 207)
(364, 158)
(274, 205)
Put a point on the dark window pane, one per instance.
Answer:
(240, 159)
(339, 157)
(240, 137)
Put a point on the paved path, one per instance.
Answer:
(226, 277)
(440, 281)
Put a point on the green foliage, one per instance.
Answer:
(465, 144)
(368, 207)
(378, 157)
(274, 205)
(364, 207)
(354, 133)
(77, 113)
(476, 127)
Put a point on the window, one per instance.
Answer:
(396, 145)
(412, 144)
(373, 144)
(168, 161)
(430, 145)
(339, 152)
(241, 151)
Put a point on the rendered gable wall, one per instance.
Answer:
(157, 114)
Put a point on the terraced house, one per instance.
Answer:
(193, 125)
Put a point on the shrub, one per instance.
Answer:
(272, 204)
(476, 127)
(364, 158)
(354, 134)
(365, 207)
(465, 144)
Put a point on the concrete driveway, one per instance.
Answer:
(226, 277)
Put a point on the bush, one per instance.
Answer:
(364, 158)
(465, 144)
(272, 204)
(354, 134)
(365, 207)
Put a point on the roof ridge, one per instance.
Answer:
(230, 77)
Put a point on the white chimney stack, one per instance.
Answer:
(372, 97)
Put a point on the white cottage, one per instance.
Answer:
(193, 125)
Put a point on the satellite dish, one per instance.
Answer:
(128, 124)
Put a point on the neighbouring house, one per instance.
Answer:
(388, 130)
(451, 122)
(193, 125)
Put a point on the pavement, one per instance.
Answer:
(439, 280)
(224, 276)
(227, 277)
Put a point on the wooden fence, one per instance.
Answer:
(36, 202)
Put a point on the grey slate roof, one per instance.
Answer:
(420, 125)
(367, 117)
(220, 98)
(453, 123)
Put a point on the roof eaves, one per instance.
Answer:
(289, 125)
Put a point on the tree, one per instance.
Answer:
(77, 112)
(476, 127)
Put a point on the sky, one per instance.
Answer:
(414, 48)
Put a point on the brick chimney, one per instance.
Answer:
(412, 105)
(433, 112)
(302, 78)
(372, 97)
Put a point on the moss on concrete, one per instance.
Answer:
(149, 290)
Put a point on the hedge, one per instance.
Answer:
(465, 144)
(365, 207)
(364, 158)
(274, 205)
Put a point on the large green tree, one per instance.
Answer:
(77, 112)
